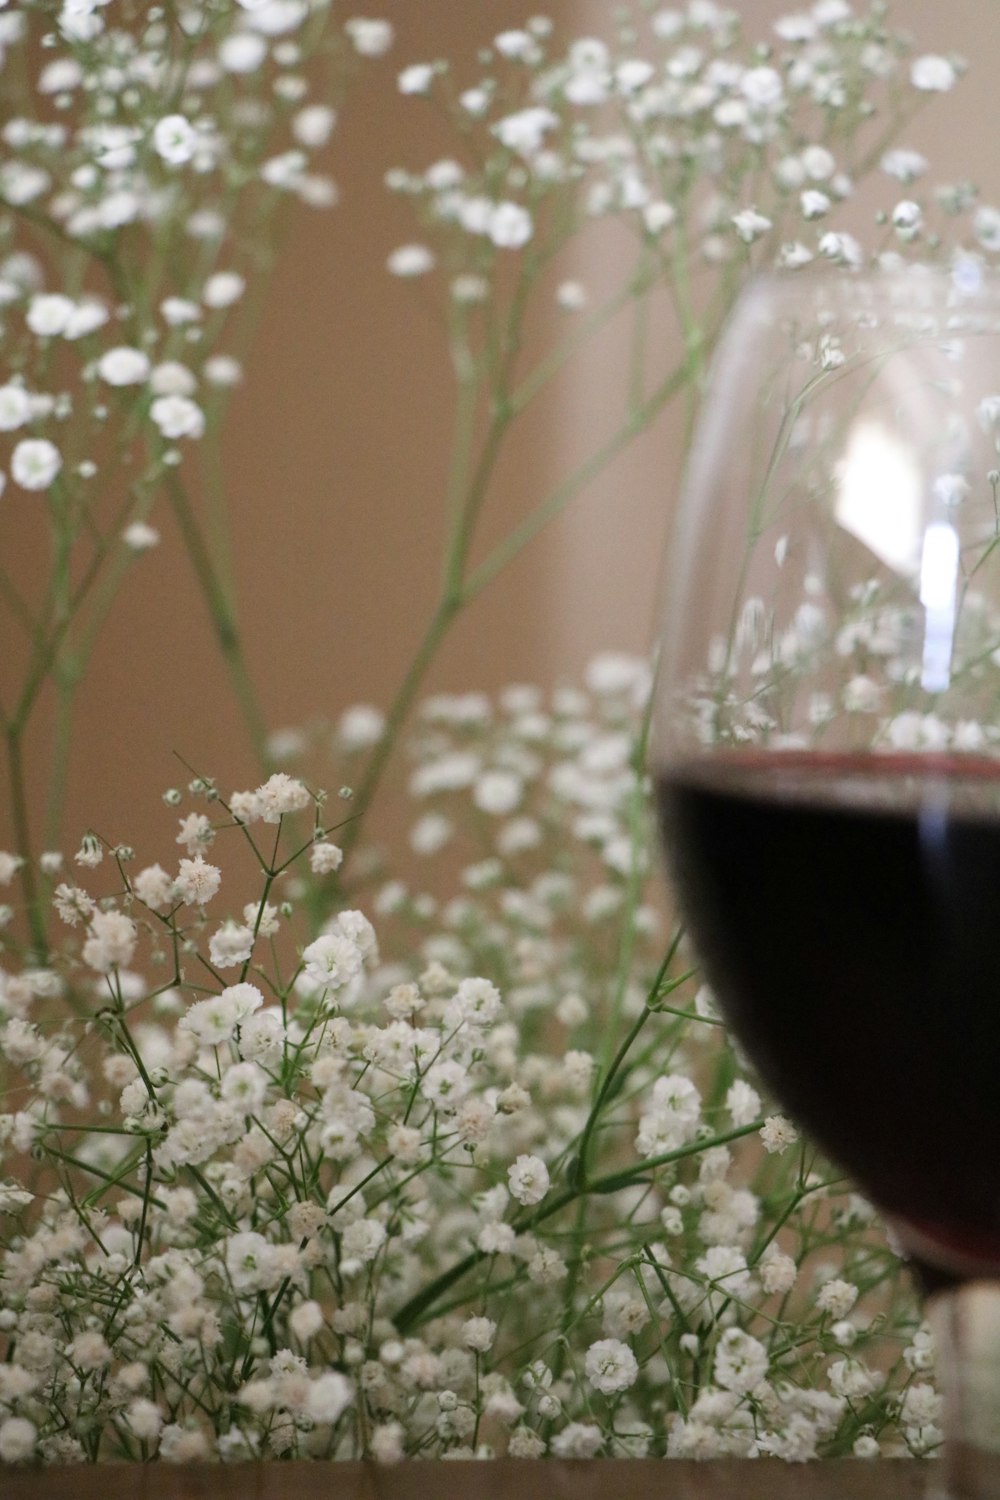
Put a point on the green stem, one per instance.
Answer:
(412, 1311)
(657, 990)
(222, 616)
(61, 744)
(399, 711)
(560, 497)
(22, 834)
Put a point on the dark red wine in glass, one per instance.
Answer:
(850, 921)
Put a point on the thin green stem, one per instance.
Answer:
(222, 616)
(22, 835)
(549, 509)
(398, 713)
(420, 1304)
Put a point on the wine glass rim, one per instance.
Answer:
(965, 283)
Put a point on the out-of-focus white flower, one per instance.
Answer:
(123, 366)
(370, 37)
(933, 74)
(35, 463)
(175, 139)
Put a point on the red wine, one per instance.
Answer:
(847, 910)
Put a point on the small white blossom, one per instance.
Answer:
(777, 1133)
(232, 944)
(410, 260)
(197, 882)
(222, 370)
(416, 79)
(124, 366)
(510, 226)
(171, 378)
(111, 941)
(478, 1333)
(313, 125)
(17, 1440)
(242, 53)
(762, 88)
(743, 1103)
(611, 1366)
(741, 1361)
(363, 1239)
(837, 1297)
(528, 1179)
(905, 166)
(280, 795)
(35, 463)
(933, 74)
(178, 417)
(329, 1396)
(525, 131)
(361, 727)
(154, 887)
(331, 961)
(578, 1440)
(15, 407)
(371, 38)
(750, 225)
(175, 139)
(325, 858)
(49, 313)
(222, 289)
(139, 536)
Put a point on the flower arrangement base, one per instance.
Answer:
(500, 1479)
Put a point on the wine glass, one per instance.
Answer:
(827, 754)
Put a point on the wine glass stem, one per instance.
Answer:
(966, 1324)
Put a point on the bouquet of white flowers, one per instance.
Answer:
(305, 1151)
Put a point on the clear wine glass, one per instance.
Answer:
(827, 756)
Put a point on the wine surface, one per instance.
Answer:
(847, 911)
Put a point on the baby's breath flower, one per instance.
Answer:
(411, 260)
(478, 1333)
(750, 225)
(175, 139)
(197, 881)
(223, 288)
(124, 366)
(777, 1272)
(777, 1134)
(35, 463)
(611, 1366)
(743, 1103)
(232, 944)
(139, 536)
(110, 942)
(178, 417)
(578, 1440)
(837, 1297)
(528, 1179)
(18, 1437)
(741, 1362)
(933, 73)
(371, 38)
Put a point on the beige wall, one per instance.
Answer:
(336, 457)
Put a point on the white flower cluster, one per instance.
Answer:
(273, 1188)
(704, 138)
(161, 199)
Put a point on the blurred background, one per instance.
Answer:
(336, 456)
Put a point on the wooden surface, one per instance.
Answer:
(500, 1479)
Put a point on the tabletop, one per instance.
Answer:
(498, 1479)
